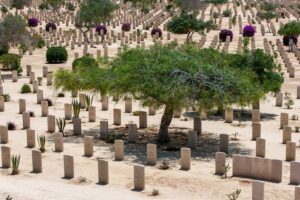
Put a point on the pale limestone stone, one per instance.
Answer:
(119, 150)
(68, 166)
(139, 177)
(297, 193)
(284, 120)
(22, 106)
(2, 104)
(294, 173)
(5, 155)
(36, 161)
(76, 126)
(290, 151)
(58, 142)
(103, 172)
(68, 111)
(143, 119)
(151, 154)
(92, 114)
(192, 139)
(26, 120)
(39, 96)
(44, 106)
(132, 132)
(105, 103)
(255, 116)
(198, 124)
(103, 129)
(51, 123)
(228, 115)
(256, 130)
(4, 134)
(30, 135)
(117, 116)
(258, 190)
(185, 158)
(224, 142)
(287, 134)
(260, 147)
(220, 161)
(88, 146)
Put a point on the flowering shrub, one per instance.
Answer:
(126, 26)
(224, 33)
(156, 30)
(286, 39)
(50, 25)
(249, 31)
(101, 27)
(33, 22)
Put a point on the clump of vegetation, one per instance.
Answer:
(25, 88)
(42, 143)
(50, 103)
(8, 198)
(226, 13)
(11, 126)
(164, 165)
(113, 136)
(297, 129)
(61, 124)
(61, 94)
(289, 102)
(294, 117)
(226, 170)
(6, 97)
(234, 195)
(11, 62)
(76, 108)
(88, 101)
(15, 162)
(155, 192)
(56, 55)
(31, 114)
(40, 79)
(235, 136)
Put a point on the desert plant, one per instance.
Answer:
(6, 97)
(25, 88)
(15, 162)
(226, 13)
(297, 129)
(155, 192)
(61, 94)
(61, 124)
(11, 126)
(76, 108)
(31, 114)
(56, 54)
(164, 165)
(226, 170)
(8, 198)
(40, 79)
(50, 103)
(235, 136)
(294, 117)
(234, 195)
(88, 101)
(289, 102)
(11, 62)
(70, 7)
(42, 143)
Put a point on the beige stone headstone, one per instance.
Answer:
(284, 120)
(128, 105)
(117, 116)
(30, 135)
(224, 142)
(294, 173)
(198, 124)
(3, 134)
(151, 154)
(26, 120)
(103, 172)
(44, 106)
(36, 161)
(58, 142)
(258, 190)
(143, 119)
(40, 96)
(68, 166)
(103, 129)
(51, 123)
(220, 161)
(132, 132)
(88, 146)
(192, 139)
(185, 158)
(260, 147)
(92, 114)
(119, 150)
(290, 151)
(287, 134)
(5, 155)
(22, 106)
(297, 193)
(139, 177)
(256, 130)
(2, 104)
(76, 125)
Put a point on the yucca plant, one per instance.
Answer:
(42, 143)
(76, 108)
(88, 101)
(15, 162)
(61, 124)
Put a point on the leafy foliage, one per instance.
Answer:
(25, 88)
(187, 23)
(56, 55)
(42, 143)
(10, 61)
(15, 162)
(20, 4)
(290, 28)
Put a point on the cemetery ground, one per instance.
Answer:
(49, 179)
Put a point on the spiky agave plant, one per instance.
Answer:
(15, 162)
(76, 108)
(61, 124)
(88, 101)
(42, 143)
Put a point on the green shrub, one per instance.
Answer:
(84, 62)
(3, 48)
(37, 41)
(56, 55)
(11, 61)
(70, 6)
(25, 88)
(226, 13)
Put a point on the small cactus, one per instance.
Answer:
(234, 195)
(76, 108)
(61, 124)
(42, 143)
(15, 162)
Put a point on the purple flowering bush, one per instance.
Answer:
(101, 27)
(50, 25)
(126, 26)
(286, 39)
(156, 30)
(249, 31)
(33, 22)
(224, 33)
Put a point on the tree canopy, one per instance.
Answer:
(177, 77)
(267, 12)
(20, 4)
(290, 29)
(187, 23)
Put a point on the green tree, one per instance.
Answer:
(290, 29)
(187, 23)
(217, 3)
(13, 30)
(267, 12)
(53, 4)
(20, 4)
(93, 12)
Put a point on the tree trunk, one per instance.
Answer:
(164, 125)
